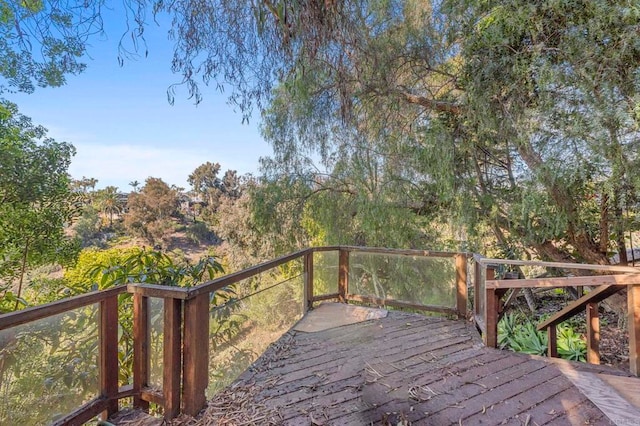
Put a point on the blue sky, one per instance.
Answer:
(123, 127)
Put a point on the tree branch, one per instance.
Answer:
(431, 104)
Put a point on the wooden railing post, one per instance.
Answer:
(461, 284)
(633, 303)
(308, 281)
(552, 341)
(343, 275)
(477, 277)
(140, 349)
(593, 333)
(196, 353)
(491, 318)
(491, 273)
(109, 353)
(172, 365)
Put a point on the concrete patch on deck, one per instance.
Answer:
(331, 315)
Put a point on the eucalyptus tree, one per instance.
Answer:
(557, 84)
(205, 182)
(151, 210)
(522, 115)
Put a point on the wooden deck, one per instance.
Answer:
(407, 369)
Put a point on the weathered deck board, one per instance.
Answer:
(413, 369)
(425, 370)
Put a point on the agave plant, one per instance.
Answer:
(571, 345)
(529, 340)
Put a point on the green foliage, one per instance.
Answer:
(530, 341)
(49, 367)
(36, 202)
(109, 202)
(41, 42)
(213, 190)
(503, 126)
(60, 353)
(79, 277)
(150, 211)
(200, 233)
(530, 77)
(88, 228)
(520, 335)
(517, 333)
(507, 328)
(102, 269)
(571, 345)
(10, 302)
(512, 119)
(251, 238)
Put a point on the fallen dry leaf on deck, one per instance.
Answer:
(315, 422)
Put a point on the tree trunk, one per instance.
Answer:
(23, 271)
(619, 227)
(550, 252)
(530, 299)
(564, 200)
(604, 223)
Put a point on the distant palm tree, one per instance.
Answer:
(134, 184)
(109, 202)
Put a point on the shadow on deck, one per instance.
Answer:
(403, 369)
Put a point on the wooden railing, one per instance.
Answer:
(489, 308)
(186, 327)
(186, 316)
(460, 262)
(109, 393)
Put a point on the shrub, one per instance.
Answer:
(571, 345)
(517, 333)
(199, 233)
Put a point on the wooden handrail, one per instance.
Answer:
(219, 283)
(606, 285)
(186, 293)
(400, 252)
(58, 307)
(594, 281)
(84, 413)
(559, 265)
(578, 306)
(588, 304)
(159, 291)
(186, 313)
